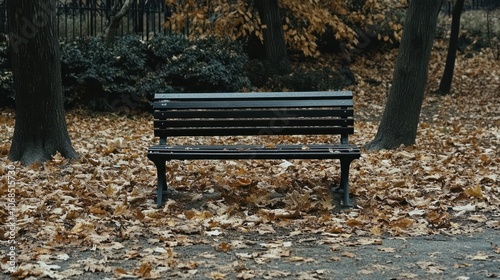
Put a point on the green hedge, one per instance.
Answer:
(129, 72)
(126, 74)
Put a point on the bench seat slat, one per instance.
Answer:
(254, 152)
(305, 147)
(249, 155)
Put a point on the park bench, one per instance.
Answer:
(265, 113)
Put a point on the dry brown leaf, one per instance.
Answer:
(474, 191)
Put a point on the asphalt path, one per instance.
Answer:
(281, 255)
(475, 256)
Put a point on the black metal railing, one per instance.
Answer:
(88, 18)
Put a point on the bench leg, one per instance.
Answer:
(344, 180)
(162, 183)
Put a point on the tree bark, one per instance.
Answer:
(115, 20)
(40, 129)
(446, 80)
(274, 36)
(401, 115)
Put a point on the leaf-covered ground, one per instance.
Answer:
(98, 215)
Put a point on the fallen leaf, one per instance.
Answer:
(474, 191)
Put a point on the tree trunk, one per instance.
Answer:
(40, 129)
(115, 20)
(445, 85)
(274, 36)
(401, 115)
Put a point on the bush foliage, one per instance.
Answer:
(261, 75)
(199, 65)
(478, 29)
(131, 70)
(127, 73)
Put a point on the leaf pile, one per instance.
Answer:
(105, 201)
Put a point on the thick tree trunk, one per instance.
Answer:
(274, 36)
(446, 80)
(401, 115)
(40, 129)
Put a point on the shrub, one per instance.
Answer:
(325, 78)
(98, 74)
(259, 72)
(199, 65)
(301, 79)
(127, 73)
(483, 27)
(478, 29)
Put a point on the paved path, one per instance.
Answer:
(431, 257)
(286, 256)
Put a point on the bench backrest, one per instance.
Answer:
(251, 113)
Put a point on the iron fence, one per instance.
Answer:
(88, 18)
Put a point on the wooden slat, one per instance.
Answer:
(253, 113)
(228, 104)
(256, 148)
(280, 155)
(254, 95)
(254, 152)
(251, 123)
(230, 131)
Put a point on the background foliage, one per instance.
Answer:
(305, 21)
(223, 51)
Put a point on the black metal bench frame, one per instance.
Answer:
(265, 113)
